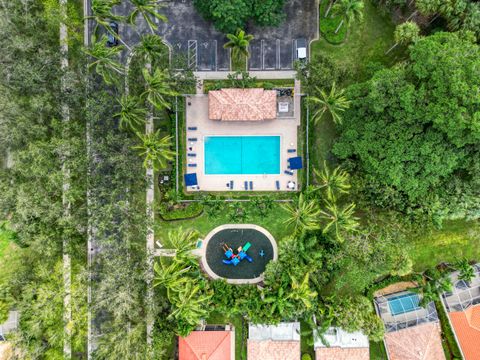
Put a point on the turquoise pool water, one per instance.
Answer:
(242, 155)
(403, 304)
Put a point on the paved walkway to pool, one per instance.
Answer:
(197, 116)
(203, 249)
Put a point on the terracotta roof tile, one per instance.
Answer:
(467, 328)
(421, 342)
(273, 350)
(242, 104)
(205, 345)
(336, 353)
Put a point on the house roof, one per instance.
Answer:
(274, 342)
(467, 328)
(242, 104)
(337, 353)
(273, 350)
(205, 345)
(421, 342)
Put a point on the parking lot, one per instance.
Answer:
(189, 34)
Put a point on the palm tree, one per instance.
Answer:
(239, 43)
(102, 13)
(155, 150)
(149, 11)
(132, 113)
(279, 303)
(151, 48)
(339, 220)
(106, 64)
(332, 103)
(466, 271)
(158, 87)
(350, 10)
(407, 33)
(335, 182)
(301, 291)
(183, 241)
(303, 215)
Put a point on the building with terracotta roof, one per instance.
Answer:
(342, 345)
(412, 331)
(242, 104)
(207, 345)
(274, 342)
(463, 308)
(421, 342)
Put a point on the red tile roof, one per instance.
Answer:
(242, 104)
(337, 353)
(421, 342)
(467, 328)
(205, 345)
(273, 350)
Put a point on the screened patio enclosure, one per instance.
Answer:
(402, 310)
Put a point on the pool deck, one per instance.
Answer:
(286, 128)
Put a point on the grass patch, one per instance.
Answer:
(455, 240)
(450, 346)
(366, 43)
(273, 222)
(329, 24)
(263, 84)
(377, 351)
(6, 237)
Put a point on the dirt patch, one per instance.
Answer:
(6, 351)
(397, 287)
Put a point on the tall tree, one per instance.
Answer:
(155, 150)
(303, 215)
(334, 182)
(333, 103)
(158, 88)
(132, 113)
(349, 10)
(106, 61)
(239, 43)
(339, 220)
(148, 9)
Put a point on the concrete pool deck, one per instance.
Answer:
(197, 116)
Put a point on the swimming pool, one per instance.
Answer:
(242, 155)
(403, 303)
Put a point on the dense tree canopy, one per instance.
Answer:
(414, 128)
(228, 16)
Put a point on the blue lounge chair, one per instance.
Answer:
(192, 128)
(245, 184)
(288, 172)
(192, 155)
(192, 165)
(292, 150)
(277, 184)
(231, 184)
(251, 185)
(192, 139)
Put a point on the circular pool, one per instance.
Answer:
(262, 250)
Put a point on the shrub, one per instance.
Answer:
(180, 211)
(306, 357)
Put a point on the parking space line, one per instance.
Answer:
(277, 43)
(215, 67)
(262, 50)
(192, 54)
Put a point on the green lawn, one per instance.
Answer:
(455, 240)
(5, 239)
(366, 42)
(274, 223)
(377, 351)
(306, 339)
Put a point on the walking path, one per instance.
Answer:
(267, 75)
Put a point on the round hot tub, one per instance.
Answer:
(262, 250)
